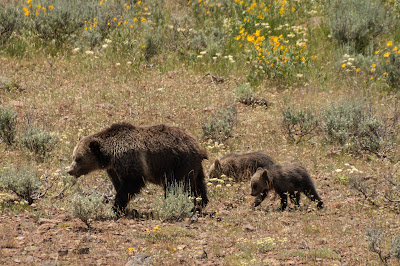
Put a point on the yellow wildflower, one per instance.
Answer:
(373, 65)
(101, 2)
(386, 54)
(357, 70)
(395, 48)
(51, 7)
(344, 65)
(29, 1)
(376, 52)
(389, 43)
(143, 19)
(26, 11)
(134, 19)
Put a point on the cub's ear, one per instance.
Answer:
(95, 148)
(264, 175)
(217, 164)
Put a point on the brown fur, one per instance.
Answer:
(131, 155)
(240, 166)
(287, 179)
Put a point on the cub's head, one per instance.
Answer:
(87, 157)
(215, 170)
(260, 182)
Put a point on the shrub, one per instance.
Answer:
(88, 207)
(38, 141)
(243, 91)
(8, 121)
(23, 182)
(176, 205)
(8, 22)
(357, 22)
(220, 126)
(396, 248)
(299, 125)
(352, 123)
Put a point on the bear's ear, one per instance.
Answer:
(217, 164)
(95, 148)
(264, 175)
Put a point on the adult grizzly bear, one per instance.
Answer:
(240, 166)
(133, 155)
(284, 179)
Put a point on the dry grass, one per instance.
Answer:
(75, 96)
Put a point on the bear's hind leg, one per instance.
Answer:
(313, 195)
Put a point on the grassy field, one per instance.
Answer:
(333, 107)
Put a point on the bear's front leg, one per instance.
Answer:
(283, 201)
(121, 201)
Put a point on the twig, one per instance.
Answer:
(214, 78)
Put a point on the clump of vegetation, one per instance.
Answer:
(358, 22)
(243, 91)
(8, 121)
(177, 204)
(299, 125)
(22, 181)
(89, 207)
(8, 22)
(39, 141)
(375, 237)
(219, 127)
(352, 123)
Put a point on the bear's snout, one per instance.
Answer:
(73, 170)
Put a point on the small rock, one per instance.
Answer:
(81, 251)
(63, 252)
(47, 221)
(249, 228)
(142, 259)
(323, 241)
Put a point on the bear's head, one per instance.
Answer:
(215, 170)
(87, 157)
(260, 182)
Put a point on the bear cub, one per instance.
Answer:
(285, 180)
(240, 166)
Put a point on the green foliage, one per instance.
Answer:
(243, 91)
(391, 69)
(396, 247)
(8, 121)
(89, 207)
(219, 127)
(22, 181)
(176, 205)
(374, 237)
(8, 22)
(38, 141)
(299, 125)
(352, 123)
(358, 22)
(57, 25)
